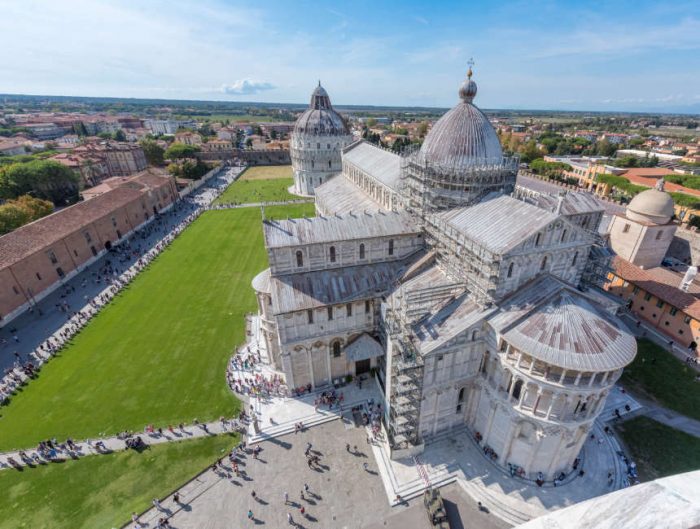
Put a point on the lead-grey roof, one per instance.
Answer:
(362, 348)
(498, 224)
(379, 163)
(560, 326)
(261, 282)
(462, 138)
(320, 119)
(340, 196)
(314, 230)
(310, 290)
(574, 203)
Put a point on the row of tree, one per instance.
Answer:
(17, 212)
(43, 179)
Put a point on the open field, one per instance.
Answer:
(260, 184)
(659, 450)
(657, 375)
(102, 491)
(267, 172)
(157, 354)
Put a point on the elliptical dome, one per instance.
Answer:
(652, 205)
(463, 137)
(320, 119)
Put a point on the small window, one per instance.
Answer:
(563, 236)
(38, 276)
(367, 306)
(660, 304)
(52, 257)
(635, 290)
(60, 272)
(543, 265)
(673, 311)
(626, 228)
(332, 254)
(647, 296)
(88, 239)
(336, 349)
(686, 320)
(391, 247)
(510, 270)
(362, 251)
(659, 234)
(14, 289)
(475, 335)
(348, 309)
(538, 239)
(300, 258)
(330, 313)
(310, 315)
(114, 222)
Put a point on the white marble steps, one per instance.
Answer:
(493, 501)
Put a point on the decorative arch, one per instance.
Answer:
(300, 258)
(331, 253)
(510, 269)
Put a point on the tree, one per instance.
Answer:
(153, 151)
(45, 179)
(105, 135)
(371, 122)
(119, 135)
(249, 143)
(15, 213)
(422, 129)
(273, 135)
(178, 151)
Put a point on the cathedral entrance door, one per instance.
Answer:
(362, 367)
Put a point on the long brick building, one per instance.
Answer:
(38, 257)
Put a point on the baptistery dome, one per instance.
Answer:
(320, 118)
(463, 137)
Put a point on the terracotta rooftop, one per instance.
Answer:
(40, 234)
(661, 283)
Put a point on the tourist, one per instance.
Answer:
(156, 504)
(286, 498)
(290, 520)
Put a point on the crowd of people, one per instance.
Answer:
(243, 378)
(115, 274)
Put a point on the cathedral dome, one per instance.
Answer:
(652, 205)
(463, 137)
(320, 119)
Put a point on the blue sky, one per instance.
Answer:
(616, 55)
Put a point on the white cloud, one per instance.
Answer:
(244, 87)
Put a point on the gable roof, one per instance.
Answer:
(383, 165)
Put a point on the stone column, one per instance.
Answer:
(555, 398)
(563, 375)
(590, 382)
(311, 368)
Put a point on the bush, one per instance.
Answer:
(25, 209)
(45, 179)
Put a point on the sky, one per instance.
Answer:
(617, 55)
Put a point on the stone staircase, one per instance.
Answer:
(498, 503)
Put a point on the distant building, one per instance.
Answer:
(44, 131)
(188, 138)
(217, 146)
(122, 159)
(91, 168)
(167, 126)
(38, 257)
(13, 146)
(277, 127)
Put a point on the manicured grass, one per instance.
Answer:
(260, 186)
(658, 375)
(659, 450)
(158, 353)
(267, 172)
(102, 491)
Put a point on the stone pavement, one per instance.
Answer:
(108, 445)
(343, 494)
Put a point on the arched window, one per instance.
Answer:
(538, 239)
(362, 251)
(543, 265)
(391, 247)
(300, 258)
(563, 236)
(517, 389)
(573, 261)
(475, 335)
(460, 398)
(336, 349)
(332, 254)
(659, 234)
(329, 164)
(510, 270)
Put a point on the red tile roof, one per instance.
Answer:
(661, 283)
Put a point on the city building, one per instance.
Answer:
(188, 138)
(13, 146)
(428, 271)
(319, 135)
(122, 159)
(168, 126)
(38, 257)
(92, 168)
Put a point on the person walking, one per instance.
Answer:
(286, 498)
(250, 514)
(290, 520)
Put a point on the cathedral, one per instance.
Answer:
(460, 293)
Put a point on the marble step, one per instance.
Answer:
(494, 503)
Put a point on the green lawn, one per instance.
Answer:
(250, 191)
(267, 172)
(659, 450)
(158, 353)
(658, 375)
(102, 491)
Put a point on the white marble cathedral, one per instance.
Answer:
(461, 293)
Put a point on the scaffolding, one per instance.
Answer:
(429, 187)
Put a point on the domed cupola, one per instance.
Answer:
(463, 137)
(653, 205)
(320, 118)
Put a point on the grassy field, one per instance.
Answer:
(260, 184)
(659, 376)
(102, 491)
(267, 172)
(659, 450)
(158, 353)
